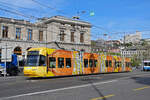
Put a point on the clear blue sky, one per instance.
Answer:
(113, 16)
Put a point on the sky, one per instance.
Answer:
(115, 18)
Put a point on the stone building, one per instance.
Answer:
(133, 38)
(101, 45)
(67, 33)
(133, 51)
(55, 32)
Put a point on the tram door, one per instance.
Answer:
(93, 65)
(52, 65)
(77, 64)
(103, 66)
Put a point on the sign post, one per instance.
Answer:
(6, 56)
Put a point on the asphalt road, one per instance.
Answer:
(116, 86)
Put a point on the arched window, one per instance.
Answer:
(18, 51)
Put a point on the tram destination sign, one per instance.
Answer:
(33, 53)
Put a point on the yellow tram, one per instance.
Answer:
(46, 62)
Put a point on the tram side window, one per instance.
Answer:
(42, 60)
(91, 63)
(52, 62)
(95, 63)
(116, 64)
(106, 62)
(60, 62)
(148, 64)
(110, 63)
(68, 62)
(86, 63)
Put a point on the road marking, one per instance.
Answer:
(67, 88)
(55, 90)
(137, 89)
(107, 96)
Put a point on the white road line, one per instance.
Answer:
(67, 88)
(55, 90)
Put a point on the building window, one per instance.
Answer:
(81, 37)
(29, 34)
(40, 35)
(72, 36)
(62, 35)
(82, 27)
(18, 33)
(73, 26)
(62, 24)
(5, 31)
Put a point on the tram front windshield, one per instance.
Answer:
(35, 60)
(146, 63)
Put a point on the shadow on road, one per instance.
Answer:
(142, 80)
(91, 81)
(71, 76)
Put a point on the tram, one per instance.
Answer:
(47, 62)
(146, 65)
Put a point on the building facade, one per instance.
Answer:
(67, 33)
(133, 38)
(105, 46)
(130, 52)
(55, 32)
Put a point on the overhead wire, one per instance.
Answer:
(20, 14)
(16, 12)
(17, 6)
(48, 6)
(44, 5)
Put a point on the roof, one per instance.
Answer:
(63, 19)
